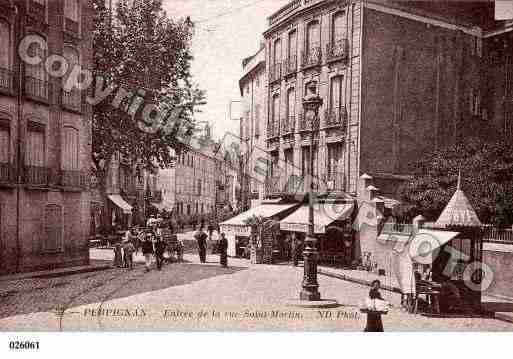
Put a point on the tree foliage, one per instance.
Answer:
(139, 49)
(486, 178)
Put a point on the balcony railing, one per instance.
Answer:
(7, 173)
(290, 65)
(273, 129)
(335, 182)
(6, 80)
(37, 9)
(37, 88)
(74, 179)
(337, 50)
(72, 100)
(288, 125)
(312, 57)
(275, 72)
(335, 117)
(36, 175)
(290, 184)
(71, 26)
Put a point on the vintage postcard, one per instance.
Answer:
(270, 165)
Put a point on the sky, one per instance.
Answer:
(227, 31)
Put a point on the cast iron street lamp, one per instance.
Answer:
(310, 287)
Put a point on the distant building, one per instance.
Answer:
(45, 139)
(253, 90)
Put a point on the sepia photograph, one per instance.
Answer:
(291, 166)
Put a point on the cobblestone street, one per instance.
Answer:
(200, 297)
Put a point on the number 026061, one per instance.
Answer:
(23, 345)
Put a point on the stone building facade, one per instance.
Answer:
(253, 90)
(398, 79)
(45, 138)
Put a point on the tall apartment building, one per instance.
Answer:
(45, 138)
(398, 79)
(253, 90)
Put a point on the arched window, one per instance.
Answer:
(277, 51)
(338, 30)
(70, 149)
(312, 37)
(292, 44)
(276, 109)
(291, 103)
(5, 49)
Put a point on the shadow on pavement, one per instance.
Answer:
(56, 294)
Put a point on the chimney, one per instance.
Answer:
(364, 182)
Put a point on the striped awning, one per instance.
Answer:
(121, 203)
(324, 215)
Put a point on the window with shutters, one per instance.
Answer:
(338, 30)
(53, 228)
(305, 160)
(36, 78)
(312, 37)
(5, 48)
(70, 150)
(71, 9)
(292, 50)
(333, 159)
(5, 142)
(277, 51)
(35, 146)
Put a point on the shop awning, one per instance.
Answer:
(324, 215)
(162, 206)
(237, 224)
(423, 245)
(121, 203)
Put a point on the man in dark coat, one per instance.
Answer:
(295, 249)
(374, 323)
(160, 248)
(201, 238)
(223, 248)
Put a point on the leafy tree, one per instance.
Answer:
(486, 178)
(139, 49)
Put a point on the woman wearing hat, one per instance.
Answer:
(147, 250)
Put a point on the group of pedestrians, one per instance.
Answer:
(222, 246)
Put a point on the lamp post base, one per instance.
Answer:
(310, 287)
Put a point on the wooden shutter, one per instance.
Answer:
(291, 102)
(53, 228)
(336, 92)
(292, 44)
(277, 51)
(70, 151)
(313, 36)
(5, 44)
(5, 144)
(35, 151)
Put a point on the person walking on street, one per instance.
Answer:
(147, 250)
(295, 250)
(223, 248)
(201, 239)
(160, 248)
(374, 323)
(118, 256)
(128, 252)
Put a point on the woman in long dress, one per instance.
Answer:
(374, 323)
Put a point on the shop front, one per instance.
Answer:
(238, 232)
(332, 228)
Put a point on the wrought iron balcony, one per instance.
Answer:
(306, 125)
(273, 129)
(72, 100)
(335, 181)
(337, 50)
(6, 80)
(336, 117)
(36, 175)
(290, 65)
(312, 57)
(73, 179)
(37, 89)
(71, 26)
(37, 9)
(275, 72)
(7, 173)
(288, 125)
